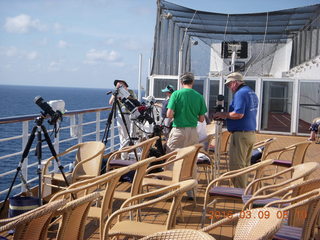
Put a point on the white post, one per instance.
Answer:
(97, 126)
(80, 127)
(206, 92)
(258, 91)
(139, 77)
(295, 107)
(179, 68)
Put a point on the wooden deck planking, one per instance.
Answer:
(192, 213)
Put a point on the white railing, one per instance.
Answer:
(84, 125)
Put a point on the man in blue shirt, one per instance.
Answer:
(241, 122)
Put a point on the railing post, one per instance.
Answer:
(97, 126)
(80, 127)
(24, 168)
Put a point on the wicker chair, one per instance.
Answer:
(135, 228)
(141, 150)
(215, 191)
(105, 185)
(293, 190)
(299, 173)
(205, 158)
(74, 215)
(298, 154)
(184, 164)
(263, 148)
(303, 212)
(179, 234)
(224, 143)
(254, 224)
(88, 165)
(33, 223)
(140, 169)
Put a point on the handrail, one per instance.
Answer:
(86, 129)
(34, 116)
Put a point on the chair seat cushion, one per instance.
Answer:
(226, 191)
(288, 233)
(121, 162)
(258, 203)
(203, 159)
(282, 163)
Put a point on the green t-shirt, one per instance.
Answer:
(187, 105)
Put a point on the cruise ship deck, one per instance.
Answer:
(191, 214)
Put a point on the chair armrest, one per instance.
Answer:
(146, 195)
(221, 222)
(47, 161)
(130, 208)
(162, 164)
(263, 179)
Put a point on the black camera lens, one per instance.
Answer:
(44, 106)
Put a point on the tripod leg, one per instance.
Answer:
(24, 155)
(53, 152)
(39, 156)
(108, 124)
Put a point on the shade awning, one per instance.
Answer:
(264, 26)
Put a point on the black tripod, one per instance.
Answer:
(37, 128)
(112, 115)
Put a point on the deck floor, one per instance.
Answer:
(192, 212)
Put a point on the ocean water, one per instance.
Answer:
(19, 101)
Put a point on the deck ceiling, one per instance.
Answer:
(264, 26)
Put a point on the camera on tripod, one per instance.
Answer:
(137, 110)
(55, 109)
(219, 106)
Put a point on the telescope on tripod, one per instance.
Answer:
(54, 110)
(140, 114)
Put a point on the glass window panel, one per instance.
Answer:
(198, 86)
(309, 105)
(276, 106)
(160, 84)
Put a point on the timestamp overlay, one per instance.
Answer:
(261, 214)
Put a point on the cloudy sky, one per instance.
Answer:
(89, 43)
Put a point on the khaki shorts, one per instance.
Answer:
(182, 137)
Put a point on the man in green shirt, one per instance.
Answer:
(186, 106)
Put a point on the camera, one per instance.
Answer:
(137, 110)
(55, 109)
(219, 104)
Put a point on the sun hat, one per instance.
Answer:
(168, 88)
(235, 76)
(120, 80)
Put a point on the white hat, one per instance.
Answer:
(235, 76)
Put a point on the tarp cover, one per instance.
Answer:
(177, 28)
(266, 26)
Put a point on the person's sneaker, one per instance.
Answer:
(311, 139)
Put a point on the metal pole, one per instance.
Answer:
(139, 78)
(179, 68)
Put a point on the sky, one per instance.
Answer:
(89, 43)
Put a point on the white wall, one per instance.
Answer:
(281, 60)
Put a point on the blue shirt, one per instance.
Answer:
(244, 101)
